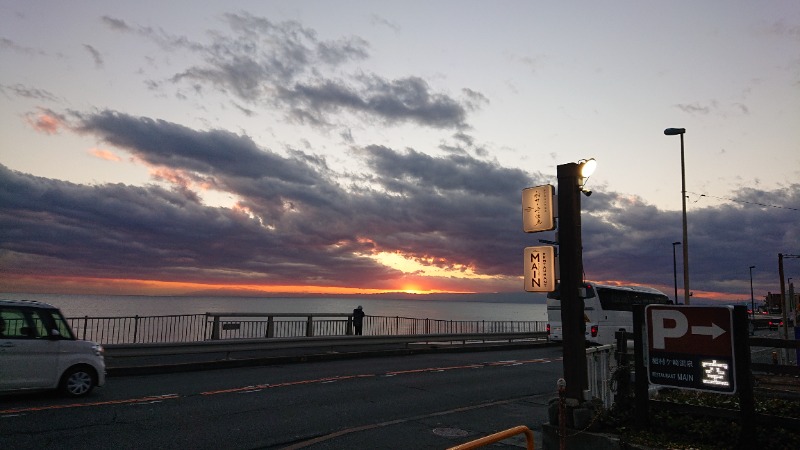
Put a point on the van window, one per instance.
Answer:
(60, 324)
(16, 325)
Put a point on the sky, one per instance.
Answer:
(358, 147)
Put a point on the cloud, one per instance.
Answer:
(396, 101)
(8, 44)
(294, 223)
(286, 66)
(96, 56)
(45, 121)
(118, 231)
(104, 154)
(28, 92)
(298, 222)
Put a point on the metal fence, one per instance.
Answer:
(141, 329)
(600, 366)
(212, 326)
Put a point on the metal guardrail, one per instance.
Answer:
(223, 326)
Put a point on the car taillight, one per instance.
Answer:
(548, 329)
(594, 330)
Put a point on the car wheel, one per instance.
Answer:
(78, 381)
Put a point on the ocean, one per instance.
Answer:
(417, 308)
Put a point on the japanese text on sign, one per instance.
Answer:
(537, 209)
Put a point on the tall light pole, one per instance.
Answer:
(675, 270)
(571, 181)
(681, 132)
(752, 299)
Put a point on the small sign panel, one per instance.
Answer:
(691, 347)
(537, 209)
(540, 269)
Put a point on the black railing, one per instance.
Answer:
(213, 326)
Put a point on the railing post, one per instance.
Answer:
(623, 372)
(215, 329)
(741, 351)
(310, 326)
(427, 326)
(135, 327)
(270, 327)
(85, 326)
(641, 400)
(349, 330)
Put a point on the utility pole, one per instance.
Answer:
(784, 303)
(571, 268)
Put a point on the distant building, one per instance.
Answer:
(774, 303)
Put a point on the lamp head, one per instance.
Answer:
(676, 243)
(674, 131)
(587, 167)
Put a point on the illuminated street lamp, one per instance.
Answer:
(681, 132)
(675, 270)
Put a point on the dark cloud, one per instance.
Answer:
(406, 100)
(118, 231)
(299, 222)
(282, 64)
(293, 214)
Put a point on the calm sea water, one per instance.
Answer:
(123, 305)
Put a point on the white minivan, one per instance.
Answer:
(39, 351)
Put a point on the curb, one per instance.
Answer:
(133, 370)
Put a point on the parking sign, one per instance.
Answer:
(691, 347)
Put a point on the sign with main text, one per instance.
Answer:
(540, 269)
(538, 213)
(691, 347)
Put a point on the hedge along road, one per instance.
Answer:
(421, 401)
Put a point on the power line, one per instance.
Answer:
(743, 201)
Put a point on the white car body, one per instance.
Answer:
(38, 351)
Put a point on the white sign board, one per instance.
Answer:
(540, 269)
(538, 213)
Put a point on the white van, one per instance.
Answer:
(606, 310)
(39, 351)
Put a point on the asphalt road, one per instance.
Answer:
(428, 401)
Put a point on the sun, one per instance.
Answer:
(412, 289)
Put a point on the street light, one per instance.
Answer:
(752, 299)
(675, 270)
(681, 132)
(571, 183)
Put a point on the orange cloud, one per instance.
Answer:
(45, 122)
(104, 154)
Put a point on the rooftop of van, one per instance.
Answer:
(28, 303)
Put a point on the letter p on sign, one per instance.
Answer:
(668, 323)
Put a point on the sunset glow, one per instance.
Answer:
(79, 285)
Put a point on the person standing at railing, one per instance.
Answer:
(358, 319)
